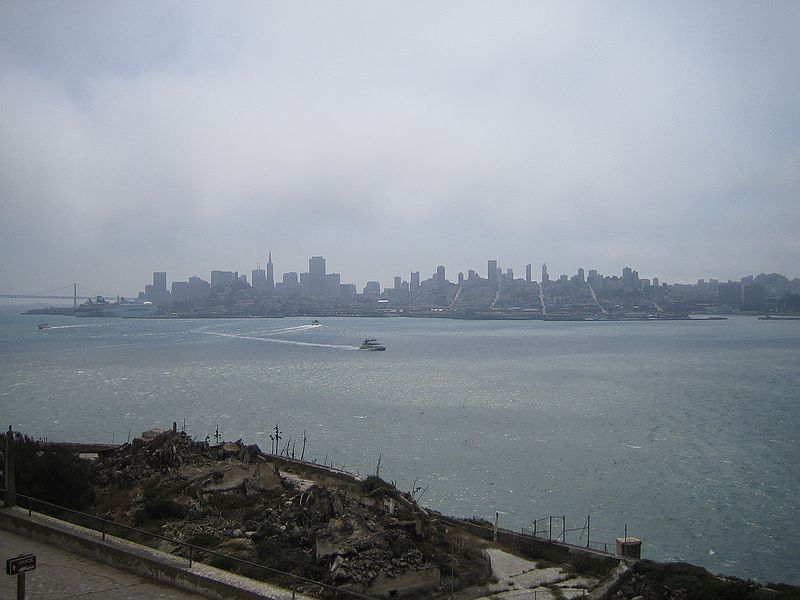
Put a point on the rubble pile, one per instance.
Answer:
(294, 517)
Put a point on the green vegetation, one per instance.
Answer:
(50, 473)
(372, 483)
(664, 581)
(290, 553)
(158, 504)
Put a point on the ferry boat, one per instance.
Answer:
(100, 307)
(44, 326)
(372, 344)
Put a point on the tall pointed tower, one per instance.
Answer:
(270, 276)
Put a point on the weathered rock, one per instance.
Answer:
(248, 505)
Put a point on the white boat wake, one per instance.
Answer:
(72, 326)
(277, 341)
(297, 328)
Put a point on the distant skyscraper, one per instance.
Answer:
(581, 276)
(290, 280)
(219, 278)
(491, 271)
(630, 280)
(316, 276)
(198, 288)
(160, 282)
(460, 278)
(259, 277)
(333, 282)
(270, 276)
(440, 276)
(180, 291)
(347, 290)
(414, 281)
(398, 282)
(158, 293)
(528, 273)
(545, 277)
(305, 284)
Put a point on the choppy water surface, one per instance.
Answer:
(686, 432)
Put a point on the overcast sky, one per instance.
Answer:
(189, 136)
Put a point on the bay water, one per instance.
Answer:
(682, 432)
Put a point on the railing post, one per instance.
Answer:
(588, 528)
(190, 556)
(103, 527)
(30, 505)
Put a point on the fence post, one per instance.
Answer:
(588, 528)
(190, 556)
(30, 505)
(103, 527)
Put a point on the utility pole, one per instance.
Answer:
(276, 439)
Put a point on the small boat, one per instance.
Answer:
(372, 344)
(44, 325)
(315, 322)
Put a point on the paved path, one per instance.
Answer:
(60, 575)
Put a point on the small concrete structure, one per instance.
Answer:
(629, 547)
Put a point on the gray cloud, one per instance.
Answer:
(137, 137)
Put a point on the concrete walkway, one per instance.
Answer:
(61, 575)
(74, 562)
(519, 578)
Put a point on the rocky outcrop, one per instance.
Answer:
(647, 580)
(360, 534)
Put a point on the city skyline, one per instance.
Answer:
(274, 276)
(386, 137)
(490, 272)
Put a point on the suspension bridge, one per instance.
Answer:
(60, 294)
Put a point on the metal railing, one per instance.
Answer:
(104, 527)
(554, 528)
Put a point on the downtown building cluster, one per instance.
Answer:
(496, 293)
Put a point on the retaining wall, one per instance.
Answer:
(131, 557)
(584, 559)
